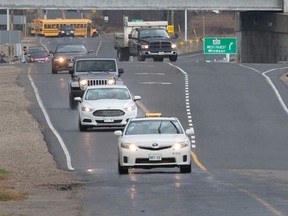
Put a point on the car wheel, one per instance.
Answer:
(173, 58)
(81, 127)
(185, 168)
(54, 71)
(122, 170)
(73, 104)
(140, 58)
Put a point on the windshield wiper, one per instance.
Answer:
(159, 131)
(177, 130)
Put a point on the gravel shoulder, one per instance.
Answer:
(24, 153)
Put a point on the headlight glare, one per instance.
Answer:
(60, 59)
(83, 84)
(111, 82)
(179, 145)
(131, 147)
(145, 46)
(174, 46)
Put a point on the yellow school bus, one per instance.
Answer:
(51, 27)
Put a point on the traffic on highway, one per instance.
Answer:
(226, 131)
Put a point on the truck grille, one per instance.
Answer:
(97, 82)
(108, 113)
(161, 45)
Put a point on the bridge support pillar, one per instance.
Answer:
(285, 6)
(262, 37)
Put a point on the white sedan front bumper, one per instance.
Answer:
(143, 158)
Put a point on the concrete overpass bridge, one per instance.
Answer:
(261, 25)
(234, 5)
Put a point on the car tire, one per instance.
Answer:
(72, 103)
(140, 58)
(173, 58)
(123, 54)
(81, 127)
(185, 169)
(54, 71)
(122, 170)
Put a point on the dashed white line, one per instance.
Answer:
(187, 102)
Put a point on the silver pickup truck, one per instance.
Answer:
(89, 71)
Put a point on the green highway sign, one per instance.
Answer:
(220, 45)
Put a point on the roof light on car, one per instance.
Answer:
(153, 114)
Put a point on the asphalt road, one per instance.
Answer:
(240, 159)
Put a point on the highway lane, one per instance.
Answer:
(240, 136)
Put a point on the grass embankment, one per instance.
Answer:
(8, 193)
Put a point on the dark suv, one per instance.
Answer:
(67, 30)
(63, 56)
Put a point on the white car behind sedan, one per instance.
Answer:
(106, 106)
(154, 142)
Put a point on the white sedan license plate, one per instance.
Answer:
(155, 157)
(108, 120)
(70, 64)
(161, 53)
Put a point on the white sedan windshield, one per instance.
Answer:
(154, 127)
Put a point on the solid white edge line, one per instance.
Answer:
(65, 150)
(269, 81)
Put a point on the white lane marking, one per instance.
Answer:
(160, 74)
(65, 150)
(98, 49)
(187, 102)
(269, 81)
(151, 83)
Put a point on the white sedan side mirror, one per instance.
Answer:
(190, 131)
(118, 132)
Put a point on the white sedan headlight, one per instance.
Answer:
(86, 108)
(173, 46)
(131, 107)
(179, 145)
(131, 147)
(145, 46)
(83, 84)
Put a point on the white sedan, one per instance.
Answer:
(154, 142)
(106, 106)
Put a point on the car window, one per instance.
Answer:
(154, 127)
(95, 65)
(39, 53)
(107, 93)
(35, 49)
(153, 33)
(71, 48)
